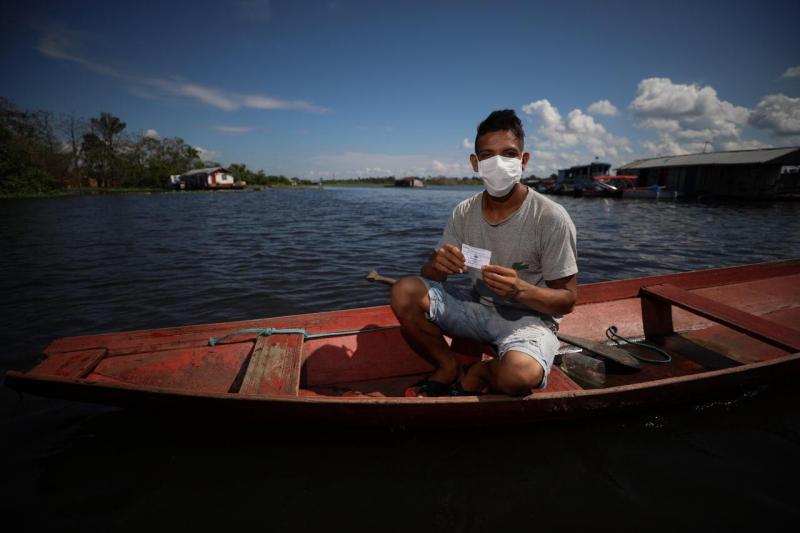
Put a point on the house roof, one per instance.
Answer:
(209, 170)
(781, 156)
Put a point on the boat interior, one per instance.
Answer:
(705, 321)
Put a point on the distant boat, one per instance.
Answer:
(609, 186)
(653, 192)
(409, 181)
(722, 329)
(625, 187)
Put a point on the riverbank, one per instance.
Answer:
(249, 188)
(74, 192)
(138, 190)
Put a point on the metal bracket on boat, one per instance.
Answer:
(213, 341)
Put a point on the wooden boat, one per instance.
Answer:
(609, 186)
(725, 329)
(652, 192)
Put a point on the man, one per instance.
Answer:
(516, 300)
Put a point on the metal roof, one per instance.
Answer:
(738, 157)
(208, 170)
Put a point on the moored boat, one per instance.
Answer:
(609, 186)
(653, 192)
(723, 329)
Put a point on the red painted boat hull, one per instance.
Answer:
(357, 379)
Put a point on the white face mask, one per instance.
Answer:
(500, 174)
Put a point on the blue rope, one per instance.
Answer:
(213, 341)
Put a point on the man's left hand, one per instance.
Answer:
(501, 280)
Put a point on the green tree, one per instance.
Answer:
(102, 149)
(30, 155)
(72, 129)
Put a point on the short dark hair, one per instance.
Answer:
(502, 120)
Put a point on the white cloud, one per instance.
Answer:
(688, 118)
(751, 144)
(451, 169)
(545, 111)
(792, 72)
(602, 107)
(579, 122)
(580, 133)
(662, 124)
(543, 162)
(227, 101)
(777, 113)
(467, 144)
(233, 130)
(153, 134)
(207, 155)
(268, 102)
(362, 164)
(61, 43)
(205, 95)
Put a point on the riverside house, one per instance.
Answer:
(205, 178)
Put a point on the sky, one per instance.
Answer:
(342, 88)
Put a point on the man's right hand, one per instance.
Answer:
(448, 260)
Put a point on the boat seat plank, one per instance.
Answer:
(657, 301)
(72, 365)
(274, 366)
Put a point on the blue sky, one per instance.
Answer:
(351, 88)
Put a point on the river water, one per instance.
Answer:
(80, 265)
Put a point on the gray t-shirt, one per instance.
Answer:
(537, 240)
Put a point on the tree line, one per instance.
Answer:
(42, 152)
(259, 177)
(389, 180)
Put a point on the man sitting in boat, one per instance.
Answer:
(516, 297)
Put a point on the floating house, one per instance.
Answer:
(758, 174)
(409, 181)
(205, 178)
(579, 177)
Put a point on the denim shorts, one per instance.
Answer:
(459, 314)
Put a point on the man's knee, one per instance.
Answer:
(409, 295)
(518, 374)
